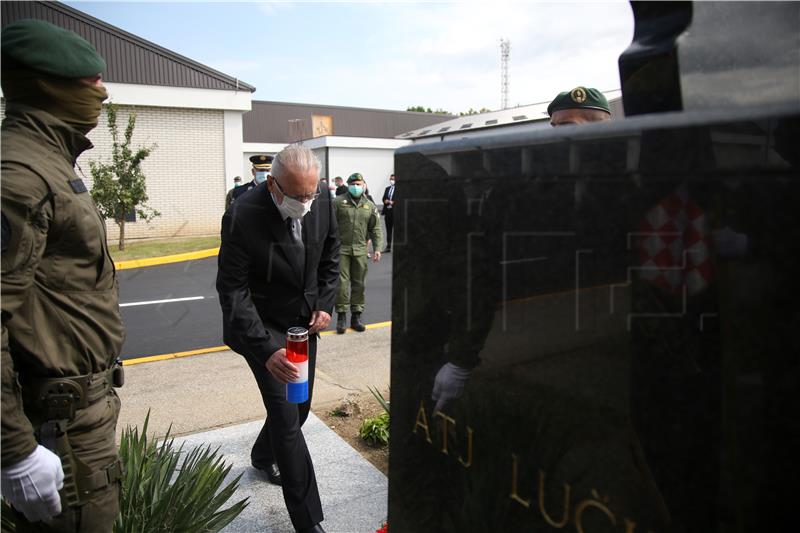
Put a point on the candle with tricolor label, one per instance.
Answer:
(297, 354)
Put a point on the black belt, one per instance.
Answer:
(59, 398)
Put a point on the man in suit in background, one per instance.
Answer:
(278, 268)
(388, 212)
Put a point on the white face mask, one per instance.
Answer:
(391, 182)
(292, 208)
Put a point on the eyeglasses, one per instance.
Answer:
(304, 198)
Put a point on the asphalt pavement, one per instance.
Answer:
(174, 308)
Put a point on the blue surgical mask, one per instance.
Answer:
(355, 190)
(261, 177)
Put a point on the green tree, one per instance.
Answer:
(422, 109)
(473, 112)
(119, 187)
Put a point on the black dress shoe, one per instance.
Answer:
(271, 470)
(355, 322)
(313, 529)
(341, 323)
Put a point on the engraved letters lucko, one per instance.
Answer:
(571, 511)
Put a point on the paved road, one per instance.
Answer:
(155, 326)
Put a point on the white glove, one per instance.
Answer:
(728, 243)
(449, 384)
(32, 485)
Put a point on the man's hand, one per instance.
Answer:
(376, 256)
(281, 368)
(449, 384)
(319, 321)
(32, 485)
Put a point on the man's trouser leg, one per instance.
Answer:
(299, 482)
(261, 454)
(96, 447)
(358, 280)
(96, 516)
(389, 226)
(343, 295)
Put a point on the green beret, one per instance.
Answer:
(41, 46)
(355, 177)
(579, 98)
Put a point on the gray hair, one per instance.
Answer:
(296, 157)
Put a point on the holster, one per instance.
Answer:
(58, 400)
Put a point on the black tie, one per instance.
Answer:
(295, 236)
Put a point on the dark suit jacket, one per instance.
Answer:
(384, 207)
(261, 288)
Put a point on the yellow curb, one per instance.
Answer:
(176, 355)
(376, 325)
(166, 259)
(201, 351)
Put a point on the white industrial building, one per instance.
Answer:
(205, 125)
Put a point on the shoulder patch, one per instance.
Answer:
(78, 186)
(5, 239)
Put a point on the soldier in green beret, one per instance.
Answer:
(359, 221)
(578, 106)
(61, 326)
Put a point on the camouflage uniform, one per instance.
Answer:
(61, 326)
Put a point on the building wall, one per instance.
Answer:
(185, 173)
(372, 163)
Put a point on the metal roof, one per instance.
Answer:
(130, 59)
(281, 122)
(503, 117)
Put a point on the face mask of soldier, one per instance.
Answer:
(261, 177)
(355, 190)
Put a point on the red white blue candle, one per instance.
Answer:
(297, 354)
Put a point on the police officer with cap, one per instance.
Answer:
(61, 326)
(581, 105)
(262, 164)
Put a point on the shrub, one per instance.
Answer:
(375, 430)
(166, 489)
(160, 493)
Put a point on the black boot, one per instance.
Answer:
(355, 322)
(341, 323)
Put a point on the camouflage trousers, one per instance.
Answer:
(352, 279)
(96, 516)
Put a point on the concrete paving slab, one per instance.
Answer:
(353, 492)
(216, 390)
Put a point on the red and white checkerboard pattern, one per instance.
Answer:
(674, 245)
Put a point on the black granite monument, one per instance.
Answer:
(596, 328)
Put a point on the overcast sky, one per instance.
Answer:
(390, 55)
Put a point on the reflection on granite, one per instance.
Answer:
(594, 327)
(710, 54)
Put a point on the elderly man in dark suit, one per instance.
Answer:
(278, 268)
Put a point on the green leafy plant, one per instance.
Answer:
(381, 400)
(168, 490)
(375, 430)
(118, 187)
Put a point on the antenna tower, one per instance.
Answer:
(505, 48)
